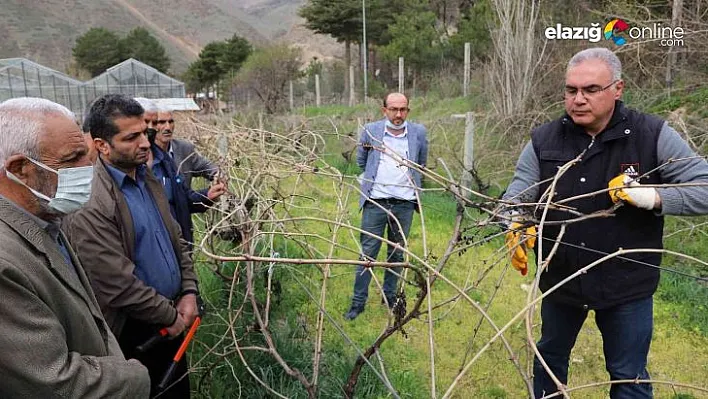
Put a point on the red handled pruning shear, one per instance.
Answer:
(167, 377)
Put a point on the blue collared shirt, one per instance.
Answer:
(155, 259)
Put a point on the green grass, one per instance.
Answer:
(694, 101)
(679, 349)
(342, 111)
(686, 298)
(686, 301)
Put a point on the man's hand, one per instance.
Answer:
(188, 309)
(519, 241)
(177, 327)
(624, 188)
(216, 190)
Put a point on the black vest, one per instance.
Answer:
(627, 145)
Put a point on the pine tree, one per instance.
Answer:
(144, 47)
(97, 50)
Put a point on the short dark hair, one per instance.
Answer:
(100, 120)
(385, 98)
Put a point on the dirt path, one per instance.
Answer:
(190, 48)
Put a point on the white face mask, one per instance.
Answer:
(73, 187)
(390, 125)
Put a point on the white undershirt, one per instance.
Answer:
(392, 177)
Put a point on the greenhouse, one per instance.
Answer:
(133, 78)
(20, 77)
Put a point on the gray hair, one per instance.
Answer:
(602, 54)
(22, 121)
(147, 104)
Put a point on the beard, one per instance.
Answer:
(125, 161)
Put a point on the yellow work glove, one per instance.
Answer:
(623, 188)
(518, 241)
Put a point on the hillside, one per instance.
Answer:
(45, 30)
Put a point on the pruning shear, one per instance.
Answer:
(163, 335)
(152, 341)
(167, 377)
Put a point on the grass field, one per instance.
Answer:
(679, 348)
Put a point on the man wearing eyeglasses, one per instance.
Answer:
(623, 168)
(188, 161)
(387, 152)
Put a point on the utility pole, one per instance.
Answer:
(292, 100)
(468, 159)
(466, 78)
(351, 86)
(365, 50)
(401, 75)
(671, 59)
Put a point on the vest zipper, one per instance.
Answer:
(582, 154)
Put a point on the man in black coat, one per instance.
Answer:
(189, 163)
(627, 162)
(183, 200)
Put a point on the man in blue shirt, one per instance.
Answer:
(130, 244)
(183, 200)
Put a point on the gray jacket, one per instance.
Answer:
(190, 163)
(55, 342)
(367, 156)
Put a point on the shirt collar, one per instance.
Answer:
(402, 135)
(121, 177)
(157, 154)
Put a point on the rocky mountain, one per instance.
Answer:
(45, 30)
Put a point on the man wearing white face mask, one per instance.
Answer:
(390, 190)
(73, 188)
(55, 341)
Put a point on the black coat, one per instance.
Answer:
(627, 145)
(185, 201)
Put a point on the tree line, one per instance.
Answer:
(220, 67)
(226, 66)
(99, 49)
(427, 33)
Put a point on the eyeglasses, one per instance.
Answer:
(163, 121)
(587, 91)
(397, 110)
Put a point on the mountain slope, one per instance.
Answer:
(278, 20)
(45, 30)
